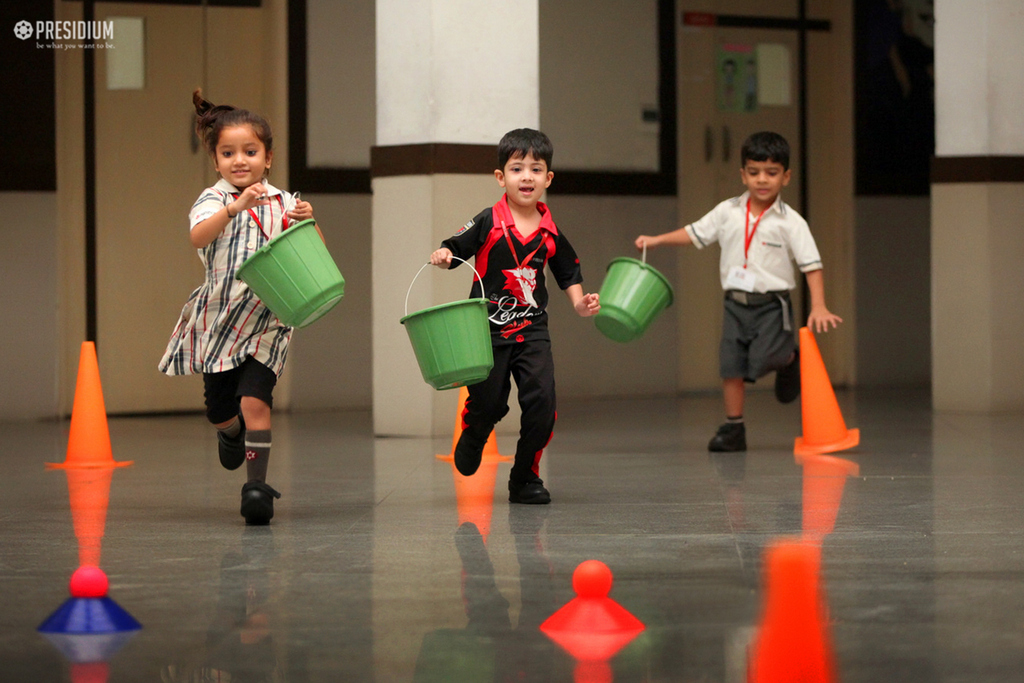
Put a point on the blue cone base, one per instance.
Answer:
(89, 615)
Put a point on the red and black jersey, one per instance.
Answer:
(513, 269)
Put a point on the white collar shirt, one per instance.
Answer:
(782, 237)
(223, 321)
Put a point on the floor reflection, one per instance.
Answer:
(376, 569)
(491, 647)
(240, 644)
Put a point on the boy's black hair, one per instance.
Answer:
(765, 146)
(522, 141)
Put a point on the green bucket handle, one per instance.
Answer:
(409, 291)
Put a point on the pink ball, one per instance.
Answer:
(89, 582)
(592, 579)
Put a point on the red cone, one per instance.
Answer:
(592, 627)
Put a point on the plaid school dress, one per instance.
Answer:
(223, 322)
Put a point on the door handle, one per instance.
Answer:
(726, 143)
(709, 144)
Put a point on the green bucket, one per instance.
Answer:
(294, 275)
(632, 295)
(452, 342)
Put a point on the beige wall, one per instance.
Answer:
(330, 361)
(587, 364)
(976, 324)
(592, 98)
(893, 291)
(28, 261)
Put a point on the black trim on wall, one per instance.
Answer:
(89, 120)
(432, 157)
(779, 23)
(977, 169)
(194, 3)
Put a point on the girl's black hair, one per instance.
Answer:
(765, 146)
(522, 141)
(211, 119)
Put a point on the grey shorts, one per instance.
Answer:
(754, 339)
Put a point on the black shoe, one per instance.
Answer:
(730, 437)
(258, 502)
(530, 493)
(232, 448)
(787, 380)
(469, 451)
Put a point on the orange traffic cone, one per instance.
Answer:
(823, 483)
(793, 643)
(824, 428)
(490, 448)
(89, 441)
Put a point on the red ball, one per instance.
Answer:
(89, 582)
(592, 579)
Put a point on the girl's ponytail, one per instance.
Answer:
(209, 119)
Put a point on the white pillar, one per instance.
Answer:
(453, 76)
(978, 206)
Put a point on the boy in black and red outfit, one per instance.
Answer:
(511, 242)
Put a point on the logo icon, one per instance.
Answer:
(23, 30)
(521, 282)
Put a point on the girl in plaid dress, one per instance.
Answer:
(225, 332)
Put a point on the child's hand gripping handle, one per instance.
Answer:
(431, 263)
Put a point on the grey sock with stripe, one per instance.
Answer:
(257, 454)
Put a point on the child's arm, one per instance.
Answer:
(585, 304)
(207, 231)
(679, 237)
(302, 211)
(820, 317)
(442, 258)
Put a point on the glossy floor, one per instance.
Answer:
(382, 565)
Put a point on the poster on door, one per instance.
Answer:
(737, 78)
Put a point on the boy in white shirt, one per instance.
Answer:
(760, 238)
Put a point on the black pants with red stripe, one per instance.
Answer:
(533, 369)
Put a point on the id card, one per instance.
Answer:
(741, 278)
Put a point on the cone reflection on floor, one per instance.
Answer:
(792, 642)
(89, 493)
(824, 428)
(89, 438)
(490, 448)
(824, 478)
(592, 627)
(474, 496)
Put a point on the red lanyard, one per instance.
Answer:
(256, 218)
(748, 234)
(513, 249)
